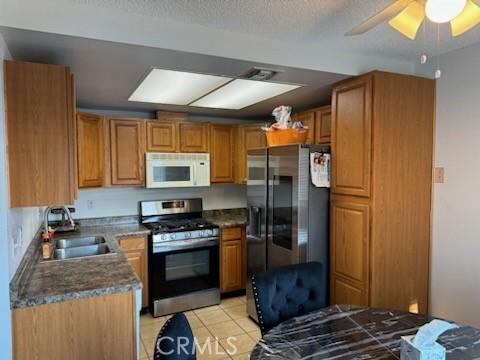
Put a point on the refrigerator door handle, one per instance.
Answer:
(254, 221)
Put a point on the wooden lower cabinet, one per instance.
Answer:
(350, 233)
(99, 327)
(232, 259)
(347, 293)
(135, 249)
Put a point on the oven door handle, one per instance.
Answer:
(170, 246)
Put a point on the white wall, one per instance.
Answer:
(124, 201)
(455, 276)
(5, 326)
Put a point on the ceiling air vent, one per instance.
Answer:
(260, 74)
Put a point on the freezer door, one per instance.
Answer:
(257, 165)
(284, 245)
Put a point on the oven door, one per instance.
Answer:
(179, 270)
(169, 173)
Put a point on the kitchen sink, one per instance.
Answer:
(78, 247)
(80, 251)
(79, 241)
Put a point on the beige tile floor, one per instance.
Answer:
(216, 328)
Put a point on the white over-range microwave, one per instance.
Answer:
(165, 170)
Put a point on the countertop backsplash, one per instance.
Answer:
(110, 202)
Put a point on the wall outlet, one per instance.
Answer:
(90, 204)
(439, 175)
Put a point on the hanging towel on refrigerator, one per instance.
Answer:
(320, 169)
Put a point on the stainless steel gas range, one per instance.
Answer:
(183, 256)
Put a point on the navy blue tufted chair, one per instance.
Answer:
(286, 292)
(175, 340)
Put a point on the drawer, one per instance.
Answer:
(132, 243)
(231, 233)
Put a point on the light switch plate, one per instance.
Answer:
(439, 175)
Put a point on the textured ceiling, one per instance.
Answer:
(315, 22)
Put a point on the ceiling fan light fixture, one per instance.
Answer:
(442, 11)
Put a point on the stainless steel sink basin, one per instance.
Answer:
(80, 251)
(81, 246)
(79, 241)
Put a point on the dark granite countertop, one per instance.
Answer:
(350, 332)
(37, 283)
(226, 218)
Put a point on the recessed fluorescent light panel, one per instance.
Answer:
(175, 87)
(241, 93)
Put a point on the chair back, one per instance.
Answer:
(286, 292)
(175, 340)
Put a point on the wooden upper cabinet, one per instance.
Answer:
(221, 153)
(162, 136)
(323, 125)
(248, 137)
(91, 150)
(351, 137)
(308, 119)
(127, 151)
(193, 137)
(40, 128)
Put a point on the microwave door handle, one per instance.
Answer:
(194, 175)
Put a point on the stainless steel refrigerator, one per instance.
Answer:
(287, 215)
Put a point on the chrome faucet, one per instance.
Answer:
(65, 211)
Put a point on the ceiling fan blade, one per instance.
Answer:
(409, 20)
(468, 18)
(380, 17)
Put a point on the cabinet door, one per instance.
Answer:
(323, 124)
(308, 119)
(221, 153)
(346, 293)
(135, 250)
(127, 151)
(350, 232)
(351, 137)
(193, 137)
(40, 134)
(249, 137)
(231, 265)
(162, 136)
(91, 149)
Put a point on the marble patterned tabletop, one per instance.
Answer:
(348, 332)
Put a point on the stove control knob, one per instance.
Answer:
(172, 236)
(163, 237)
(202, 233)
(188, 235)
(209, 232)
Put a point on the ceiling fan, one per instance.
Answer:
(406, 16)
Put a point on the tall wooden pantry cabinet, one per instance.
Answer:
(382, 147)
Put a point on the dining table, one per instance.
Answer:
(350, 332)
